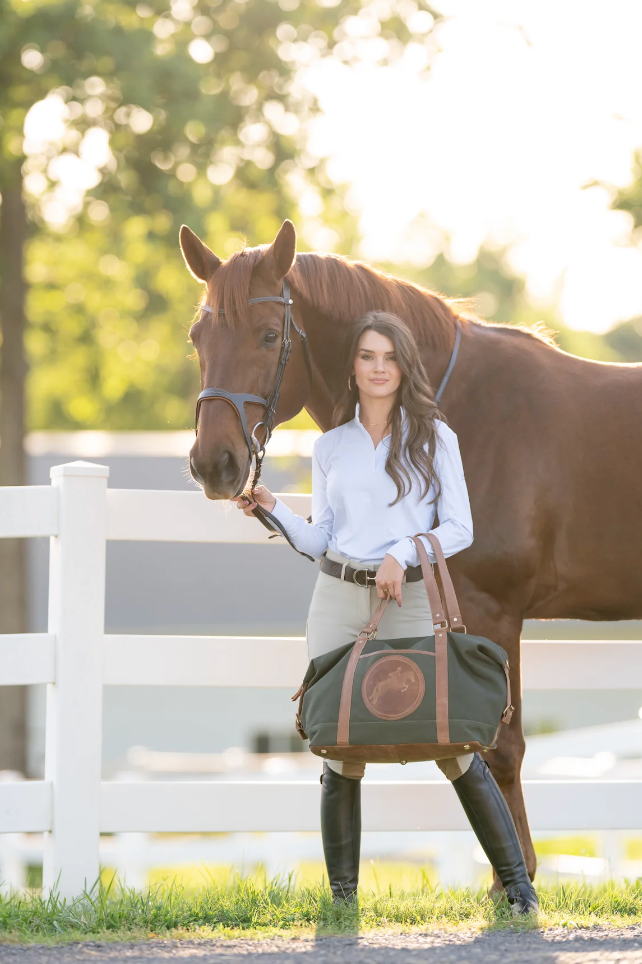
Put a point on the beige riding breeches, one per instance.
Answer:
(338, 612)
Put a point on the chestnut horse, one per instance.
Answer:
(551, 443)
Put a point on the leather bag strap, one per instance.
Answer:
(441, 644)
(507, 715)
(368, 632)
(453, 612)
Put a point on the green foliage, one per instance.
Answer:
(630, 198)
(245, 907)
(107, 340)
(206, 124)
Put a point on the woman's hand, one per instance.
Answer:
(388, 580)
(261, 496)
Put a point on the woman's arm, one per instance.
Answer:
(455, 529)
(311, 538)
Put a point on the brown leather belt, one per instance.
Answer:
(361, 577)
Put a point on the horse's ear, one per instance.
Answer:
(281, 254)
(202, 262)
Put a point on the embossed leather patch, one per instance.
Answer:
(393, 687)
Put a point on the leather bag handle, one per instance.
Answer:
(437, 609)
(441, 644)
(368, 632)
(451, 605)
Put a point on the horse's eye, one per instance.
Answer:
(270, 337)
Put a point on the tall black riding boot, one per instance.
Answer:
(341, 832)
(492, 822)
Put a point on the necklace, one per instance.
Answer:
(375, 424)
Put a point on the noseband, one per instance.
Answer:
(238, 400)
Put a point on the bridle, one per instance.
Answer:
(451, 363)
(238, 400)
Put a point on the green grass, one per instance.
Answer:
(247, 907)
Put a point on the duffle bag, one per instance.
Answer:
(400, 700)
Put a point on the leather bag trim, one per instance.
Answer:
(393, 652)
(398, 752)
(441, 649)
(368, 632)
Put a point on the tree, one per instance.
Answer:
(117, 124)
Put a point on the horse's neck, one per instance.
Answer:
(326, 339)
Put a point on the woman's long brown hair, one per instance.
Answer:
(411, 454)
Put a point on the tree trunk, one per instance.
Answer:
(13, 574)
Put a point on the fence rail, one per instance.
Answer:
(193, 806)
(280, 661)
(76, 659)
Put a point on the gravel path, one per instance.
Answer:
(557, 946)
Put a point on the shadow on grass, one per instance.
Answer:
(336, 920)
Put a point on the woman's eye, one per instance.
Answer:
(270, 338)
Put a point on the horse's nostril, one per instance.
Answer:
(226, 467)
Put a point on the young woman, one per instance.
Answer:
(381, 475)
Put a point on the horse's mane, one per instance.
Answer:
(344, 290)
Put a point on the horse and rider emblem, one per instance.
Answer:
(393, 687)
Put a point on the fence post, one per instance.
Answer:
(73, 742)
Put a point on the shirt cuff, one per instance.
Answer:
(404, 552)
(285, 516)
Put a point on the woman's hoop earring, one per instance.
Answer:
(349, 381)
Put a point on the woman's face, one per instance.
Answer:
(375, 366)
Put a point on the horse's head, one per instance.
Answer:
(239, 349)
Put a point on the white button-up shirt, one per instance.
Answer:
(352, 495)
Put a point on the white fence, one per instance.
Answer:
(75, 658)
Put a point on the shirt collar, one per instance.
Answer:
(364, 431)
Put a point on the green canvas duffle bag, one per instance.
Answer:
(397, 700)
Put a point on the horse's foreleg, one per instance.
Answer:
(486, 618)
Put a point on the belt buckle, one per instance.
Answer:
(369, 582)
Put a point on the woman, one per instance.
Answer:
(383, 473)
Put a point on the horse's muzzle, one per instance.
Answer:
(219, 473)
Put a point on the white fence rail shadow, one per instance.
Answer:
(75, 658)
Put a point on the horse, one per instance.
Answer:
(551, 443)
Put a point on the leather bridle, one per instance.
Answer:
(238, 400)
